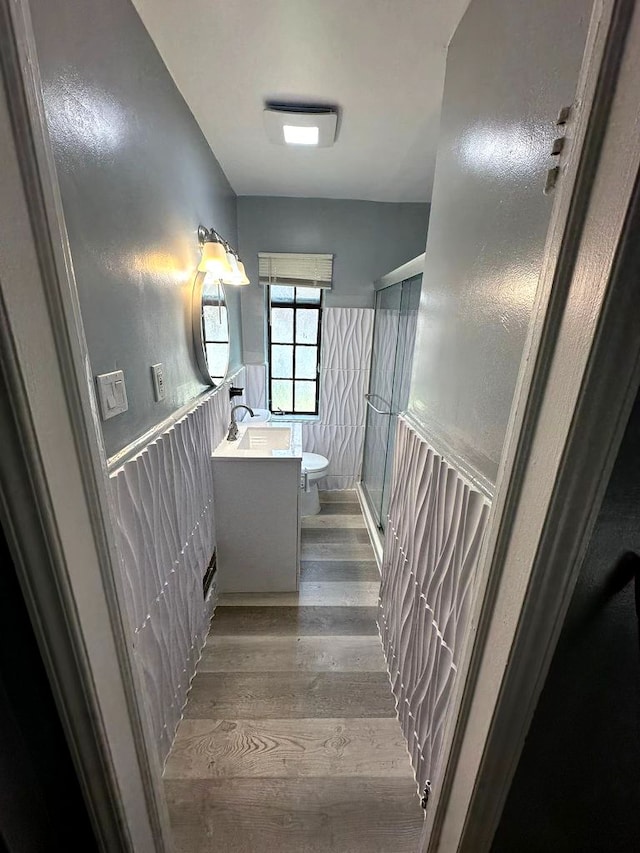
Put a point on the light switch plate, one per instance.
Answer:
(157, 376)
(112, 394)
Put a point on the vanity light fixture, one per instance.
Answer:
(214, 254)
(243, 276)
(218, 259)
(234, 275)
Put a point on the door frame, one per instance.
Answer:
(55, 501)
(578, 379)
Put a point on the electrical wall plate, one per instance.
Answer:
(157, 377)
(112, 394)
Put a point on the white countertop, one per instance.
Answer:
(231, 449)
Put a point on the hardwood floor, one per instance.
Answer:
(290, 741)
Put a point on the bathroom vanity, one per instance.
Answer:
(256, 482)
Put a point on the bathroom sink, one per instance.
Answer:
(263, 441)
(265, 438)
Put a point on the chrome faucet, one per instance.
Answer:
(232, 435)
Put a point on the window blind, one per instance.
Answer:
(295, 269)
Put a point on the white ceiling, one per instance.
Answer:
(381, 61)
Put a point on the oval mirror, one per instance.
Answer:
(210, 328)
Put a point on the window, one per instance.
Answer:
(294, 283)
(294, 348)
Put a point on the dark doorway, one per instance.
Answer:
(41, 805)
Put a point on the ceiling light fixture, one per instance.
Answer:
(300, 135)
(293, 124)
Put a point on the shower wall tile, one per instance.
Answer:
(346, 338)
(342, 445)
(342, 401)
(435, 529)
(344, 380)
(165, 531)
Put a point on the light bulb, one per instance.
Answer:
(214, 260)
(243, 275)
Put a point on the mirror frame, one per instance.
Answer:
(198, 330)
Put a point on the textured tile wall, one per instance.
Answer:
(255, 385)
(436, 525)
(166, 534)
(344, 380)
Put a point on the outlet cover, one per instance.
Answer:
(157, 375)
(112, 394)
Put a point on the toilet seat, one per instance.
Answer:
(314, 463)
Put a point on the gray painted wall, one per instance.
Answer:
(367, 238)
(510, 67)
(577, 785)
(136, 177)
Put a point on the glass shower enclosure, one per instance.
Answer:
(394, 334)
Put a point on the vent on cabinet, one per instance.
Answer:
(209, 574)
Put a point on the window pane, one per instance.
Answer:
(215, 323)
(282, 395)
(282, 325)
(217, 359)
(305, 396)
(306, 362)
(282, 361)
(280, 293)
(307, 325)
(309, 295)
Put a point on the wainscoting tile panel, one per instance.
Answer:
(436, 524)
(346, 338)
(163, 500)
(255, 385)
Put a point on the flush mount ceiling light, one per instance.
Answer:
(288, 124)
(301, 135)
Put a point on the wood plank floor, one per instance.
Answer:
(289, 740)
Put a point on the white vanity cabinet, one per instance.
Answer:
(256, 487)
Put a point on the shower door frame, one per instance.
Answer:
(399, 275)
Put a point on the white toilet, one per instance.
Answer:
(315, 467)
